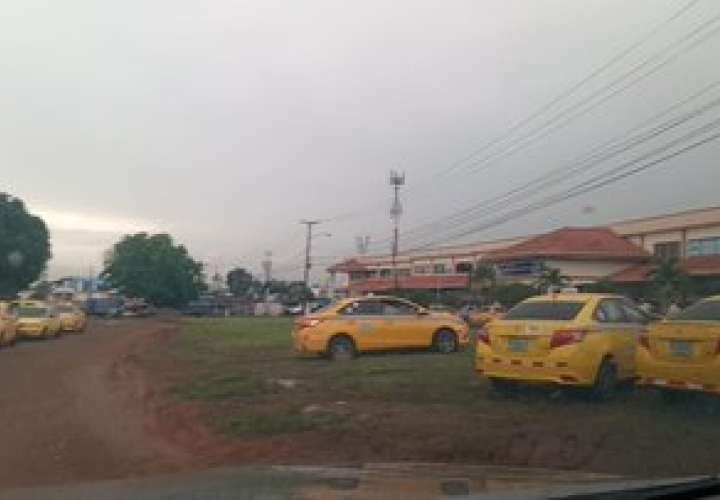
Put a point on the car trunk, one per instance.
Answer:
(685, 341)
(524, 338)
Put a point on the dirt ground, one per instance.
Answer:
(71, 411)
(96, 406)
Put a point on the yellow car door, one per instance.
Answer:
(620, 334)
(363, 320)
(404, 326)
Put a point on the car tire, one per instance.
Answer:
(445, 341)
(341, 348)
(44, 334)
(606, 381)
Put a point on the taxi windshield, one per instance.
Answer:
(545, 310)
(31, 312)
(708, 310)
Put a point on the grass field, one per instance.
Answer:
(419, 406)
(249, 359)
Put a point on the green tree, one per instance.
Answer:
(550, 277)
(670, 282)
(240, 282)
(484, 277)
(24, 246)
(154, 268)
(510, 294)
(41, 290)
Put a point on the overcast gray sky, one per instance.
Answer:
(225, 122)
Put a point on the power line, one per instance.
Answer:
(574, 88)
(538, 133)
(595, 157)
(597, 182)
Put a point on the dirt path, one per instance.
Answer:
(71, 410)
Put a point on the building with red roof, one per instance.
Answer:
(622, 252)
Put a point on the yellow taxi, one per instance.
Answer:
(349, 326)
(72, 318)
(576, 339)
(683, 351)
(8, 324)
(37, 319)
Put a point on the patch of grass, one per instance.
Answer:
(219, 388)
(419, 405)
(243, 364)
(275, 424)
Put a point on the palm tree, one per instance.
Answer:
(670, 282)
(549, 278)
(484, 277)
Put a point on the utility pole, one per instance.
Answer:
(308, 246)
(267, 267)
(362, 243)
(397, 180)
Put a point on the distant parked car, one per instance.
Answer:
(37, 319)
(106, 306)
(294, 310)
(202, 308)
(72, 318)
(137, 308)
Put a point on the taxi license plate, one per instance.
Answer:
(681, 348)
(518, 345)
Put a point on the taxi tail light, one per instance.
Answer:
(308, 322)
(483, 336)
(567, 337)
(644, 340)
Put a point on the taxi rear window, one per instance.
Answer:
(545, 310)
(708, 310)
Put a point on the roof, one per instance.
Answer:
(706, 265)
(347, 266)
(573, 243)
(697, 217)
(430, 282)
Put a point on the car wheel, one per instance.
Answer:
(445, 341)
(341, 349)
(44, 333)
(606, 381)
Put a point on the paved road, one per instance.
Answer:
(64, 411)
